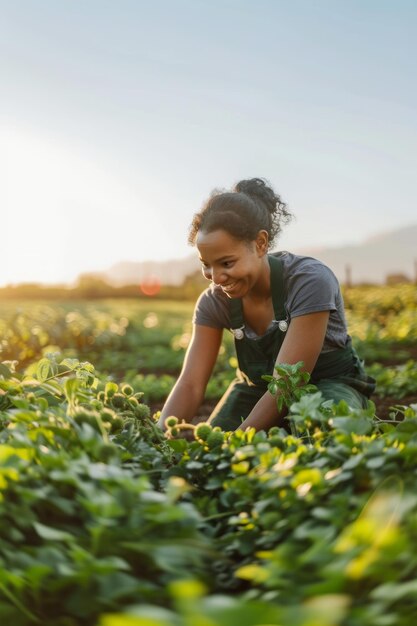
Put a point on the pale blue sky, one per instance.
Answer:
(117, 119)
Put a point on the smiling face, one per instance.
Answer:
(238, 267)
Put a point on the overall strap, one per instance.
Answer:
(236, 314)
(277, 288)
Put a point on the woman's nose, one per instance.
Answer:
(217, 276)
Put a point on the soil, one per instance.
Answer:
(383, 407)
(399, 353)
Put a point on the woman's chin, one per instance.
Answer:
(235, 292)
(229, 291)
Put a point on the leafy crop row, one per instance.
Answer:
(105, 521)
(120, 337)
(145, 343)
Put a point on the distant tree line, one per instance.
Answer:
(398, 278)
(90, 287)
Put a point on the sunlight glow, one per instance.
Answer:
(56, 203)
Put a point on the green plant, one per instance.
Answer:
(289, 383)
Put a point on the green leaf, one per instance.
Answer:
(143, 615)
(111, 388)
(20, 403)
(353, 461)
(71, 387)
(52, 386)
(178, 445)
(408, 425)
(52, 534)
(85, 365)
(392, 592)
(37, 573)
(4, 371)
(376, 462)
(308, 404)
(42, 370)
(7, 452)
(349, 425)
(70, 363)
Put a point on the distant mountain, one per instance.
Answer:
(372, 261)
(394, 252)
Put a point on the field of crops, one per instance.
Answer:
(105, 521)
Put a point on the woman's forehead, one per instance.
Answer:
(217, 239)
(218, 244)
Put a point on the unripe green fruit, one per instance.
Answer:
(273, 431)
(129, 423)
(203, 431)
(127, 390)
(215, 439)
(108, 415)
(117, 425)
(106, 452)
(118, 400)
(142, 411)
(101, 396)
(171, 421)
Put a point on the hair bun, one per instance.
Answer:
(249, 207)
(259, 188)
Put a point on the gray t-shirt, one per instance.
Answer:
(310, 286)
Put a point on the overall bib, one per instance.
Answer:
(338, 374)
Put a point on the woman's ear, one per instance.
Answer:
(262, 241)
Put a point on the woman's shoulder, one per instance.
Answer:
(296, 266)
(212, 308)
(291, 260)
(310, 285)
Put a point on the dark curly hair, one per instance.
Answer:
(251, 206)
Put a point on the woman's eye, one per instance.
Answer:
(228, 264)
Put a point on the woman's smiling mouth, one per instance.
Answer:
(228, 287)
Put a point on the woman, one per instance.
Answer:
(281, 308)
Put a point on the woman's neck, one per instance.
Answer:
(261, 290)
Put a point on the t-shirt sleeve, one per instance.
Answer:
(311, 288)
(212, 309)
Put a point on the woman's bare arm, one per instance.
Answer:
(189, 390)
(303, 342)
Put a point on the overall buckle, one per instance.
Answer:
(238, 332)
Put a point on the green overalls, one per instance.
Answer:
(338, 374)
